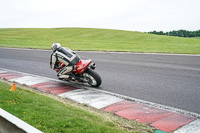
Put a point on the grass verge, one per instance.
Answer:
(51, 114)
(97, 40)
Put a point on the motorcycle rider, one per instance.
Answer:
(65, 56)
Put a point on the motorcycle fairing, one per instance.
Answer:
(82, 66)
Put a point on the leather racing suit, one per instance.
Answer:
(67, 57)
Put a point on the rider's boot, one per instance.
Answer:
(64, 76)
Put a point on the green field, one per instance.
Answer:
(97, 40)
(62, 116)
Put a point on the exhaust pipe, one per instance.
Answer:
(93, 66)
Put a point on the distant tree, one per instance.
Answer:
(160, 33)
(197, 33)
(192, 34)
(179, 33)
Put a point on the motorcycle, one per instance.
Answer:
(84, 73)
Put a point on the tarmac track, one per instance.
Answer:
(172, 80)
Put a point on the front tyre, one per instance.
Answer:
(92, 77)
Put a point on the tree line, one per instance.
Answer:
(179, 33)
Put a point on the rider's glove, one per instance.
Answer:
(57, 69)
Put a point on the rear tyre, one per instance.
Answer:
(92, 77)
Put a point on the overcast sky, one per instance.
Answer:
(133, 15)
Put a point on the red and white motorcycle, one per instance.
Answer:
(84, 73)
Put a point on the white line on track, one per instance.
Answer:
(152, 104)
(156, 105)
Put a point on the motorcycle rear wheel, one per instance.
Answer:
(92, 77)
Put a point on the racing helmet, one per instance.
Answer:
(54, 46)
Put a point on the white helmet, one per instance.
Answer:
(54, 46)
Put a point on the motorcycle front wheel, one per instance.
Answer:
(92, 77)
